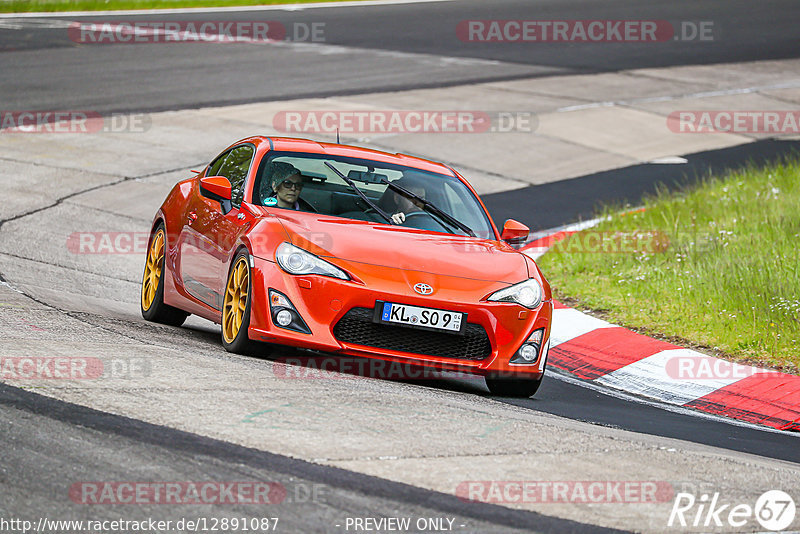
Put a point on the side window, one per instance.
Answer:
(213, 169)
(235, 168)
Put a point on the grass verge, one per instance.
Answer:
(22, 6)
(716, 266)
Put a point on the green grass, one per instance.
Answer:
(21, 6)
(728, 280)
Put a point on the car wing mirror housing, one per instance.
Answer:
(217, 188)
(514, 232)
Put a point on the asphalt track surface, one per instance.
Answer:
(566, 201)
(366, 49)
(45, 70)
(106, 446)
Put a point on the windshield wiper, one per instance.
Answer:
(431, 207)
(361, 193)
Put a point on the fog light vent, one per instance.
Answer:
(528, 353)
(284, 314)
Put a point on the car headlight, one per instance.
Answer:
(528, 293)
(295, 260)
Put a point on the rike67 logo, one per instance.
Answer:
(774, 510)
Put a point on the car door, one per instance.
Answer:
(208, 234)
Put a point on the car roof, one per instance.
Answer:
(291, 144)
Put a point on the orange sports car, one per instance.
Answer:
(351, 251)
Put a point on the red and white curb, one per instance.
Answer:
(594, 350)
(541, 242)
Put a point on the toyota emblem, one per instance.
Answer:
(423, 289)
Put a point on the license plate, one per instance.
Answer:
(418, 317)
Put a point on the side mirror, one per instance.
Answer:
(217, 188)
(514, 232)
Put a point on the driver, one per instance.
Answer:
(286, 182)
(400, 205)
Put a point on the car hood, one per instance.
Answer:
(405, 248)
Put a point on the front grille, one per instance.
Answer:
(357, 327)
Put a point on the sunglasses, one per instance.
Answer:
(288, 184)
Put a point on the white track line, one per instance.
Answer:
(625, 396)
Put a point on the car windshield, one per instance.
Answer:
(327, 185)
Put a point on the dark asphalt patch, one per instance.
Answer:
(549, 205)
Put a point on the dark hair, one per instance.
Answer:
(280, 170)
(389, 201)
(275, 171)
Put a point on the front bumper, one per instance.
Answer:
(337, 313)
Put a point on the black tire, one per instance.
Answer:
(157, 311)
(241, 343)
(513, 387)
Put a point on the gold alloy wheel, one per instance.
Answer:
(152, 270)
(235, 303)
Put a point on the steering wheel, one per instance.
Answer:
(408, 215)
(422, 220)
(372, 215)
(417, 214)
